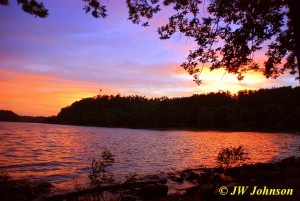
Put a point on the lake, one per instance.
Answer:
(63, 154)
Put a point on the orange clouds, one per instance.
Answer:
(37, 94)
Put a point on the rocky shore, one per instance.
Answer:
(261, 181)
(219, 184)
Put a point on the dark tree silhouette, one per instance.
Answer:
(7, 115)
(276, 109)
(227, 32)
(265, 109)
(30, 6)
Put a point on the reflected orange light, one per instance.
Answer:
(206, 146)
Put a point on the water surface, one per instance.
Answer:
(62, 154)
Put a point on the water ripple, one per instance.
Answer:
(62, 154)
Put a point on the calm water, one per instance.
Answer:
(63, 154)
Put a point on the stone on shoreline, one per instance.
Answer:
(153, 191)
(23, 190)
(192, 176)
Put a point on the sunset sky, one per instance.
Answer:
(46, 64)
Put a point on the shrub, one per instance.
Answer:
(100, 174)
(228, 157)
(131, 178)
(4, 177)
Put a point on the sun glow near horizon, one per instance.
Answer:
(44, 95)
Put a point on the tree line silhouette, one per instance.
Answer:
(7, 115)
(266, 109)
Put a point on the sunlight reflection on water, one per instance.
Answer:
(62, 154)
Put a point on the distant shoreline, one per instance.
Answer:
(172, 128)
(266, 110)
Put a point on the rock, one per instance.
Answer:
(184, 173)
(153, 191)
(26, 191)
(207, 188)
(289, 160)
(277, 167)
(247, 166)
(153, 179)
(206, 170)
(216, 179)
(128, 198)
(205, 177)
(177, 179)
(173, 177)
(170, 174)
(226, 178)
(192, 176)
(261, 166)
(192, 190)
(163, 181)
(291, 171)
(268, 174)
(219, 170)
(44, 186)
(232, 172)
(17, 190)
(21, 198)
(245, 171)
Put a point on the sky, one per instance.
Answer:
(47, 64)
